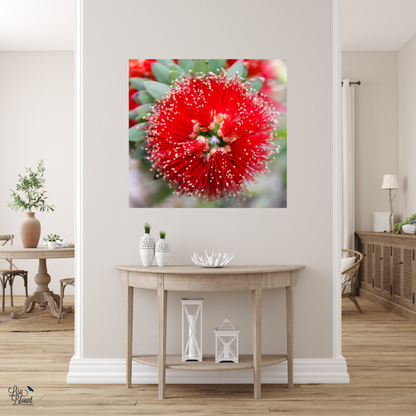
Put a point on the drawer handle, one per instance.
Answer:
(401, 262)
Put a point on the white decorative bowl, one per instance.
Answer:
(214, 260)
(409, 228)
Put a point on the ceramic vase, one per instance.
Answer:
(147, 249)
(162, 252)
(30, 231)
(51, 245)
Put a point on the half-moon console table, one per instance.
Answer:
(197, 279)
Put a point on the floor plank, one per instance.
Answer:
(380, 349)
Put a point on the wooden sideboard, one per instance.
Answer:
(388, 271)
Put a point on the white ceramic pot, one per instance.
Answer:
(51, 245)
(162, 252)
(147, 249)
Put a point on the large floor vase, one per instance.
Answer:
(162, 252)
(30, 231)
(147, 249)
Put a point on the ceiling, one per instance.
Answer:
(377, 25)
(37, 25)
(49, 25)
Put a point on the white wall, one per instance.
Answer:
(407, 128)
(37, 122)
(299, 31)
(376, 130)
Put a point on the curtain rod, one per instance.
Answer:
(358, 83)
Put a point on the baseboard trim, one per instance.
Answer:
(113, 371)
(389, 305)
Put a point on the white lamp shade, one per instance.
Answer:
(390, 182)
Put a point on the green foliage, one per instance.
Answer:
(52, 237)
(162, 234)
(398, 227)
(145, 98)
(161, 72)
(186, 64)
(32, 187)
(257, 83)
(156, 89)
(138, 83)
(173, 75)
(165, 62)
(216, 64)
(136, 134)
(174, 67)
(200, 66)
(147, 227)
(237, 67)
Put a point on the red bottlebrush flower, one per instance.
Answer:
(264, 68)
(210, 136)
(141, 68)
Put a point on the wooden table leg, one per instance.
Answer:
(162, 301)
(289, 328)
(256, 296)
(129, 358)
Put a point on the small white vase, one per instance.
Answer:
(51, 245)
(162, 252)
(147, 249)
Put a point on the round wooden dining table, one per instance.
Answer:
(42, 295)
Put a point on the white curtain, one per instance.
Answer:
(348, 203)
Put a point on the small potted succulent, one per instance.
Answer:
(162, 250)
(52, 240)
(147, 246)
(28, 196)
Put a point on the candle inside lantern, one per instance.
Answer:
(226, 350)
(192, 353)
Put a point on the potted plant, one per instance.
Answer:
(52, 239)
(398, 227)
(147, 246)
(162, 250)
(28, 196)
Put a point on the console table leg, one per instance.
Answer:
(162, 300)
(289, 328)
(256, 295)
(129, 358)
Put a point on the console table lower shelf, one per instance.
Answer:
(174, 362)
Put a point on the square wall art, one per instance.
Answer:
(207, 133)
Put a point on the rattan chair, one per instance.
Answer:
(349, 276)
(64, 284)
(8, 275)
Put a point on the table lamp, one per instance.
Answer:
(390, 182)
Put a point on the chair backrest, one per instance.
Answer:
(6, 238)
(350, 275)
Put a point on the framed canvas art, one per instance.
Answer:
(207, 133)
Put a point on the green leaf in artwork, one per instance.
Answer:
(216, 64)
(161, 72)
(133, 115)
(156, 89)
(257, 83)
(145, 97)
(173, 75)
(138, 83)
(165, 62)
(174, 67)
(200, 65)
(136, 134)
(236, 67)
(186, 64)
(143, 110)
(140, 152)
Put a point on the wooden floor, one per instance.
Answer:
(380, 349)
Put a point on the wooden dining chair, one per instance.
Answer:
(349, 275)
(64, 284)
(8, 275)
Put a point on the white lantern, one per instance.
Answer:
(226, 342)
(192, 329)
